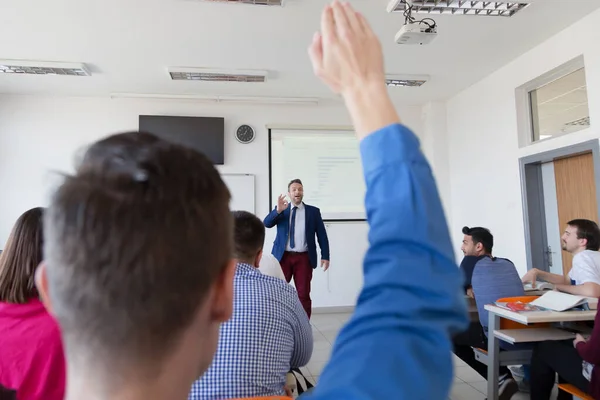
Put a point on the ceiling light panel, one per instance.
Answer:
(21, 67)
(251, 2)
(406, 80)
(458, 7)
(213, 75)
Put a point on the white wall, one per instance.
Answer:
(41, 135)
(483, 143)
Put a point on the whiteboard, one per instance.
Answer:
(329, 165)
(241, 187)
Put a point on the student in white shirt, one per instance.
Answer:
(269, 265)
(582, 239)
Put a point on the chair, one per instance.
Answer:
(511, 357)
(574, 391)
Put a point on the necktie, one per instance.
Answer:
(293, 228)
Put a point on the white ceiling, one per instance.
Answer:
(129, 43)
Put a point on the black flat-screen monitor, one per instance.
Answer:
(205, 134)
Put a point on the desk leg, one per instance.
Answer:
(493, 357)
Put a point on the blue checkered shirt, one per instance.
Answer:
(268, 335)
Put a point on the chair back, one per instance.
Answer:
(494, 278)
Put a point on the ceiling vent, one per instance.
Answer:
(458, 7)
(22, 67)
(217, 75)
(405, 80)
(251, 2)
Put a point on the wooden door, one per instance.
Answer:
(575, 193)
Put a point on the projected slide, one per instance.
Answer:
(327, 162)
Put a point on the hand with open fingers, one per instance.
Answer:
(346, 54)
(282, 204)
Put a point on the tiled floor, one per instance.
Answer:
(468, 385)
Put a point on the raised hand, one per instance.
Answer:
(346, 54)
(282, 204)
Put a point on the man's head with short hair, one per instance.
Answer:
(248, 237)
(581, 234)
(477, 241)
(138, 264)
(296, 191)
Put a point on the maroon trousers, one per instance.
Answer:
(297, 265)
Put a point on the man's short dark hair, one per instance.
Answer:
(134, 241)
(298, 181)
(589, 230)
(480, 235)
(248, 235)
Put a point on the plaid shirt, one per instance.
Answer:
(268, 335)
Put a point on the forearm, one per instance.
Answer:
(555, 279)
(371, 109)
(271, 219)
(588, 289)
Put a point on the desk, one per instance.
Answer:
(513, 336)
(525, 318)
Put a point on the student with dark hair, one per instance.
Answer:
(582, 239)
(487, 279)
(140, 275)
(477, 244)
(269, 333)
(138, 268)
(31, 354)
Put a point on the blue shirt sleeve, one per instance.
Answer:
(467, 266)
(397, 344)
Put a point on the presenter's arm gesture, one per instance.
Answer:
(282, 204)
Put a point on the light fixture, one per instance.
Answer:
(217, 75)
(251, 2)
(221, 99)
(405, 80)
(458, 7)
(27, 67)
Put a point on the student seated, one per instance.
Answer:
(488, 279)
(269, 265)
(582, 239)
(31, 354)
(268, 334)
(576, 362)
(138, 267)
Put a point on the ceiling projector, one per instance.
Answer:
(416, 33)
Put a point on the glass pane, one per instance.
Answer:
(560, 107)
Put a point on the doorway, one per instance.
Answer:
(558, 186)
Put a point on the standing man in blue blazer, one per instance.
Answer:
(295, 248)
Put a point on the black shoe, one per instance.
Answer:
(508, 388)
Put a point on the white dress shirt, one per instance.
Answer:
(300, 245)
(270, 266)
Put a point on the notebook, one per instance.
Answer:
(557, 301)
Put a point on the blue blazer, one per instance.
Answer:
(314, 226)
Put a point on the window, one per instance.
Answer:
(553, 104)
(560, 107)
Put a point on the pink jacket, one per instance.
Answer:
(31, 353)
